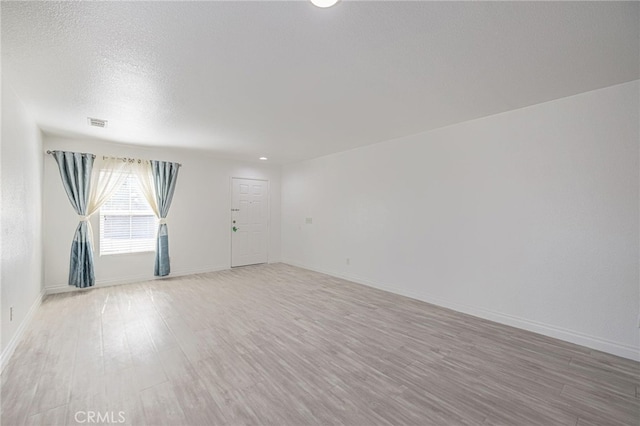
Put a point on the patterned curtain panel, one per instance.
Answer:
(75, 171)
(165, 175)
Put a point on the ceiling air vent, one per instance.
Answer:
(96, 122)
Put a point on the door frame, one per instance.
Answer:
(231, 178)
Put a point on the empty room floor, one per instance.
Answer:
(280, 345)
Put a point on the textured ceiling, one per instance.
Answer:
(291, 81)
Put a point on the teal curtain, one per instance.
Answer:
(75, 171)
(165, 175)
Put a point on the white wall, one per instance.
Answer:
(21, 195)
(529, 217)
(198, 221)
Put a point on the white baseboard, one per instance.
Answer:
(13, 343)
(64, 288)
(592, 342)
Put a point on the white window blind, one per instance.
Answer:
(127, 223)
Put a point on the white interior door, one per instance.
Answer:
(249, 221)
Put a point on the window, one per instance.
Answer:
(127, 222)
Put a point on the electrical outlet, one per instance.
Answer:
(11, 313)
(308, 220)
(348, 261)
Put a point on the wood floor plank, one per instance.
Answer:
(280, 345)
(161, 407)
(85, 410)
(19, 385)
(53, 417)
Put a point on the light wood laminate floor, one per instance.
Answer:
(280, 345)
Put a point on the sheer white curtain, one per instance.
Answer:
(108, 175)
(142, 169)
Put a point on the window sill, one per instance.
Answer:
(133, 253)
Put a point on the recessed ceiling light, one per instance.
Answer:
(324, 3)
(264, 158)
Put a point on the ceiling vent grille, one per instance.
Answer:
(96, 122)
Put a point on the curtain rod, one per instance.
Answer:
(129, 159)
(93, 155)
(104, 157)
